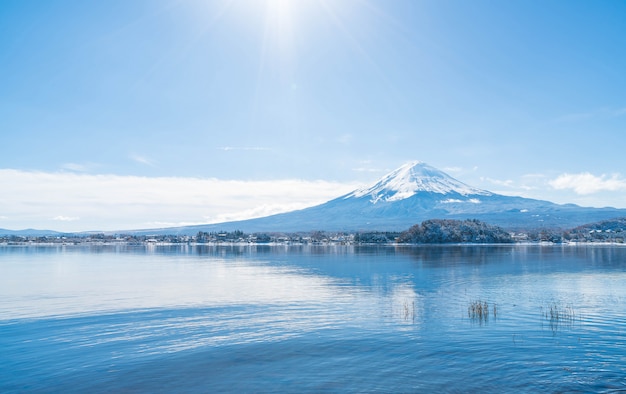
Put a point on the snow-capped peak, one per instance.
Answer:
(412, 178)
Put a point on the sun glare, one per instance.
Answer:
(279, 6)
(279, 16)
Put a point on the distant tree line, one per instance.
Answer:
(435, 231)
(376, 237)
(224, 236)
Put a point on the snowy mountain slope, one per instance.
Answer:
(409, 195)
(413, 178)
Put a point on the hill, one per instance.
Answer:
(613, 230)
(438, 231)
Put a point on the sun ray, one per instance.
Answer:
(277, 47)
(179, 53)
(358, 48)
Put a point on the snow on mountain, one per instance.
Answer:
(409, 195)
(412, 178)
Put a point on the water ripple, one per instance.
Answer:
(360, 321)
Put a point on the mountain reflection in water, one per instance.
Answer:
(312, 318)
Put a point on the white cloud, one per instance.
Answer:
(76, 167)
(142, 160)
(528, 185)
(367, 166)
(619, 112)
(592, 114)
(345, 139)
(454, 170)
(582, 189)
(66, 218)
(534, 177)
(368, 169)
(460, 171)
(499, 182)
(230, 148)
(68, 201)
(587, 183)
(260, 211)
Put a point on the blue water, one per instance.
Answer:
(312, 319)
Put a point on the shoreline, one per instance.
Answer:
(235, 243)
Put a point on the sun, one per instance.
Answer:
(279, 15)
(279, 6)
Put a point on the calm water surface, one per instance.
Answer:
(312, 319)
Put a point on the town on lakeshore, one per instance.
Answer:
(428, 232)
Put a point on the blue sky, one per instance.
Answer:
(246, 108)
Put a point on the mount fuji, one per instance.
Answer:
(409, 195)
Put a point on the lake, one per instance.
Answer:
(515, 318)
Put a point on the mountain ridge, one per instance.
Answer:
(409, 195)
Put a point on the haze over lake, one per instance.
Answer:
(312, 318)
